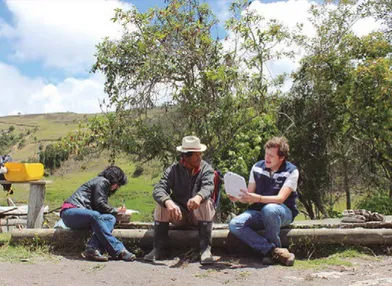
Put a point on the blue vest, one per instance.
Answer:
(270, 185)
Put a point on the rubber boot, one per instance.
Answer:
(161, 237)
(205, 233)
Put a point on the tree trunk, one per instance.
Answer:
(320, 206)
(390, 191)
(307, 204)
(346, 185)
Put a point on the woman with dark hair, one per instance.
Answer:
(88, 208)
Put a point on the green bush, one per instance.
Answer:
(21, 144)
(53, 156)
(380, 203)
(138, 171)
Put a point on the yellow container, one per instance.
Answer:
(21, 172)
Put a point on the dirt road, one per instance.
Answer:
(72, 270)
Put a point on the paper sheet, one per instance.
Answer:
(233, 184)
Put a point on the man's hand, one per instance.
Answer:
(233, 199)
(121, 210)
(247, 197)
(174, 210)
(194, 203)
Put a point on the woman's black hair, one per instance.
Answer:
(114, 175)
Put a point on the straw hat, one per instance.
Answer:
(191, 144)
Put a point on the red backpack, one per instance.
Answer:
(218, 179)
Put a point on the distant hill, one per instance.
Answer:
(31, 131)
(36, 129)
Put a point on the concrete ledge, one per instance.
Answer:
(221, 237)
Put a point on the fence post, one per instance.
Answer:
(35, 214)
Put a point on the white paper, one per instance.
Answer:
(233, 184)
(130, 212)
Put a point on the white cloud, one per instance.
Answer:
(6, 30)
(77, 95)
(291, 13)
(365, 26)
(62, 33)
(25, 95)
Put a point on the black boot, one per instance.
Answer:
(205, 233)
(161, 237)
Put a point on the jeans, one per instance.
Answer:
(101, 224)
(271, 218)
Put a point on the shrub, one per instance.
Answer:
(53, 156)
(138, 171)
(21, 144)
(380, 203)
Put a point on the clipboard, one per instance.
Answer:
(233, 184)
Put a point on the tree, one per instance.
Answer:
(339, 100)
(170, 56)
(168, 77)
(371, 104)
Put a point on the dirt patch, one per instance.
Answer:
(72, 270)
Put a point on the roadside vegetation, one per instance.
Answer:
(327, 256)
(337, 114)
(319, 256)
(22, 253)
(173, 76)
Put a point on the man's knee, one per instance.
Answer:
(94, 215)
(270, 210)
(161, 214)
(108, 218)
(232, 226)
(206, 211)
(236, 224)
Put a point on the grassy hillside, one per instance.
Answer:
(47, 128)
(39, 129)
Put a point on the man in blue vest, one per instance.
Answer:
(272, 195)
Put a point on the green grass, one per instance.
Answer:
(341, 258)
(21, 253)
(137, 193)
(321, 263)
(339, 206)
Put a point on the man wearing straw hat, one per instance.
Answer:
(183, 197)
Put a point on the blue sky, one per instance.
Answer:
(47, 49)
(36, 68)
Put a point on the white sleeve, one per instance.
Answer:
(251, 177)
(3, 170)
(292, 180)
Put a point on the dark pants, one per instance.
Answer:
(6, 187)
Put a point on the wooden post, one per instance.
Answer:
(35, 213)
